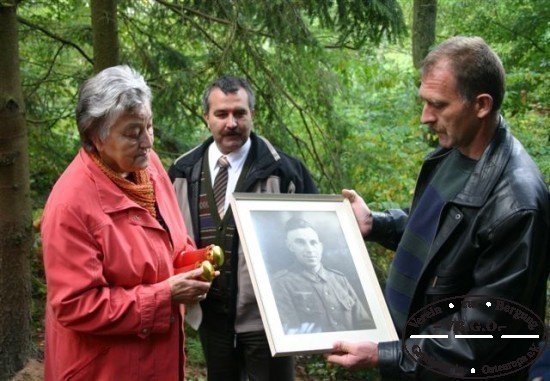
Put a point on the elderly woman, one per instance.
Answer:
(110, 230)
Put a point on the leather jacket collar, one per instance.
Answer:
(487, 170)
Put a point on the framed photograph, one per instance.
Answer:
(311, 272)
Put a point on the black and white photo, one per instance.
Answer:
(311, 272)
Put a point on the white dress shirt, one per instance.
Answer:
(236, 161)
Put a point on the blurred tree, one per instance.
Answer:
(105, 34)
(423, 29)
(15, 206)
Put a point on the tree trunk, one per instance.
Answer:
(15, 205)
(105, 34)
(423, 29)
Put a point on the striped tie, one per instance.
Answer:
(220, 184)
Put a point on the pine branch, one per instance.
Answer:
(181, 9)
(48, 72)
(55, 37)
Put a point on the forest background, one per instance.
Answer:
(336, 85)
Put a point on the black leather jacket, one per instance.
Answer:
(492, 239)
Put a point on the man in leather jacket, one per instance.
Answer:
(230, 327)
(478, 226)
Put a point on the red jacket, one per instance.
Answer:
(109, 314)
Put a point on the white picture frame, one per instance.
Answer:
(260, 220)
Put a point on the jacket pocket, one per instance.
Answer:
(88, 367)
(444, 285)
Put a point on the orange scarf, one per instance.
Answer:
(141, 191)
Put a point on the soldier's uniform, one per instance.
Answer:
(321, 302)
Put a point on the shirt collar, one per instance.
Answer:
(236, 158)
(315, 277)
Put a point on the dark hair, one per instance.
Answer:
(476, 67)
(228, 84)
(297, 223)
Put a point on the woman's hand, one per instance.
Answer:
(187, 288)
(362, 213)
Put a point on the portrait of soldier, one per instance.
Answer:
(310, 297)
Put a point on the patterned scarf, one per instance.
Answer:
(141, 191)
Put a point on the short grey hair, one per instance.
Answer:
(476, 68)
(104, 97)
(228, 84)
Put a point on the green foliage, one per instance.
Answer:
(38, 286)
(532, 129)
(383, 151)
(195, 358)
(315, 368)
(51, 73)
(350, 114)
